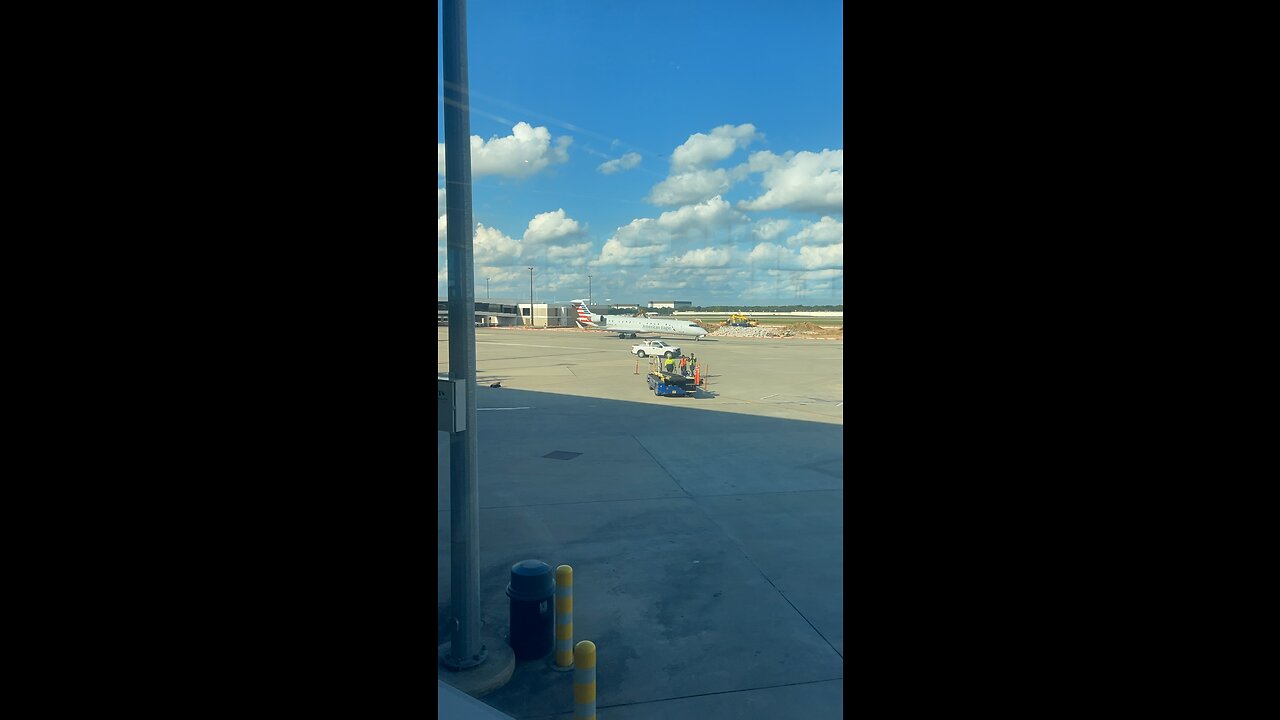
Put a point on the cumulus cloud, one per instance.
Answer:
(769, 229)
(701, 150)
(690, 187)
(442, 226)
(822, 258)
(640, 232)
(440, 205)
(708, 257)
(570, 255)
(551, 226)
(768, 256)
(661, 284)
(501, 275)
(703, 217)
(527, 150)
(626, 162)
(826, 231)
(803, 181)
(492, 247)
(644, 239)
(616, 253)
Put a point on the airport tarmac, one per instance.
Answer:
(774, 377)
(705, 532)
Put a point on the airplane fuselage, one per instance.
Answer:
(625, 325)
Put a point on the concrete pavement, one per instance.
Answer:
(705, 533)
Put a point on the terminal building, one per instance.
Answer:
(503, 312)
(673, 304)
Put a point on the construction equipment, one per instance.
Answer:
(740, 320)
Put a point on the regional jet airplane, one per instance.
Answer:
(626, 325)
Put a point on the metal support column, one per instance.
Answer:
(466, 649)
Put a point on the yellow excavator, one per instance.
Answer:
(740, 320)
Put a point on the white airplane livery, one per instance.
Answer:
(626, 325)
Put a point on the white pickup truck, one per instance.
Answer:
(654, 347)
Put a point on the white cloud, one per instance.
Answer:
(440, 204)
(551, 226)
(661, 284)
(701, 218)
(803, 181)
(826, 231)
(764, 160)
(500, 275)
(524, 152)
(442, 226)
(690, 187)
(571, 255)
(644, 239)
(708, 257)
(494, 248)
(822, 258)
(626, 162)
(640, 232)
(702, 150)
(616, 253)
(769, 229)
(769, 256)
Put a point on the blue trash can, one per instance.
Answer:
(532, 590)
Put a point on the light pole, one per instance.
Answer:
(530, 297)
(467, 648)
(486, 288)
(588, 289)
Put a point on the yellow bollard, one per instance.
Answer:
(584, 681)
(564, 619)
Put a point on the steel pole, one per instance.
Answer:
(464, 532)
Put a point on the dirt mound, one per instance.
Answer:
(806, 327)
(706, 326)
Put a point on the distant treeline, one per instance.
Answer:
(748, 309)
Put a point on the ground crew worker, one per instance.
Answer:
(693, 363)
(669, 365)
(684, 366)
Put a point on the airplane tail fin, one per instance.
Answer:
(584, 314)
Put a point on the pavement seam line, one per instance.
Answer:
(767, 579)
(742, 550)
(665, 470)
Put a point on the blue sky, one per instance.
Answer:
(671, 150)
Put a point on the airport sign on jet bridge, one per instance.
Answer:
(451, 404)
